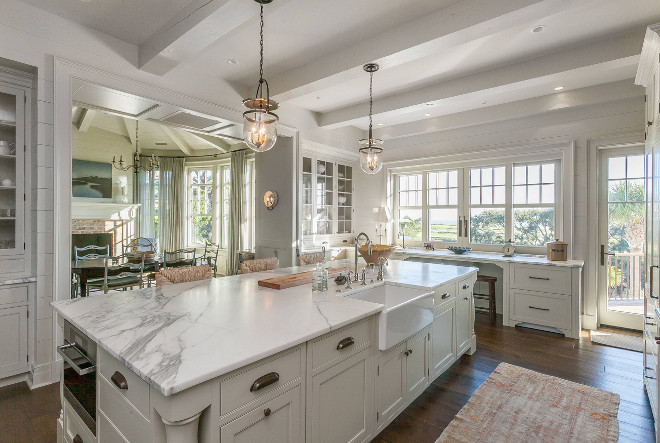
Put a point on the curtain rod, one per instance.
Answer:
(202, 156)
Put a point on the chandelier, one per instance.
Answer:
(370, 152)
(153, 161)
(259, 122)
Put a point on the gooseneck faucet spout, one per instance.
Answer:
(357, 244)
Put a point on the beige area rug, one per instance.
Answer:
(518, 405)
(616, 340)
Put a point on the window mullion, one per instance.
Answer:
(425, 210)
(508, 202)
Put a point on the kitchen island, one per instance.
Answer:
(227, 360)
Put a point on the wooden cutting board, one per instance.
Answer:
(289, 281)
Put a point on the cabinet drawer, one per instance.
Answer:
(14, 295)
(552, 279)
(137, 390)
(444, 293)
(74, 426)
(260, 379)
(107, 431)
(542, 309)
(343, 343)
(465, 287)
(122, 413)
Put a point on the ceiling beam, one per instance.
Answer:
(611, 53)
(85, 120)
(213, 142)
(183, 146)
(129, 124)
(198, 25)
(459, 23)
(589, 96)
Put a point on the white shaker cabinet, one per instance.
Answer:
(443, 339)
(464, 313)
(13, 346)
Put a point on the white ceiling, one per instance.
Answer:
(458, 55)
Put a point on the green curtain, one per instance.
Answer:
(236, 211)
(171, 203)
(145, 197)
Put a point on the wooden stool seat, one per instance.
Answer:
(492, 310)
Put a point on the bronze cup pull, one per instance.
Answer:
(77, 439)
(445, 295)
(345, 343)
(119, 380)
(264, 381)
(466, 286)
(267, 412)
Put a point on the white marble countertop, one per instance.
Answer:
(477, 256)
(178, 336)
(16, 281)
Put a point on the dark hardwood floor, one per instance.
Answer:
(612, 369)
(29, 416)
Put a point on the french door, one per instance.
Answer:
(622, 228)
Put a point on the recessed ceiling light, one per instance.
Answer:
(538, 28)
(483, 103)
(559, 88)
(429, 104)
(380, 124)
(232, 61)
(427, 115)
(318, 97)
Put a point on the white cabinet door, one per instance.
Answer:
(443, 342)
(416, 364)
(341, 405)
(390, 386)
(278, 421)
(463, 323)
(13, 346)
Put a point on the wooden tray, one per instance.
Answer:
(289, 281)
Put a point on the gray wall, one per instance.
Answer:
(275, 230)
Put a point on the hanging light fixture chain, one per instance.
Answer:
(371, 104)
(261, 45)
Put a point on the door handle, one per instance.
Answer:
(603, 254)
(465, 226)
(460, 226)
(651, 294)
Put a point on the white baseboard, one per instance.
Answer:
(14, 379)
(41, 375)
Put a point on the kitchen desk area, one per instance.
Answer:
(536, 292)
(227, 360)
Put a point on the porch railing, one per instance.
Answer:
(624, 276)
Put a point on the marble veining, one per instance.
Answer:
(178, 336)
(475, 256)
(17, 281)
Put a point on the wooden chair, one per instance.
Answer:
(99, 252)
(211, 257)
(141, 244)
(492, 311)
(173, 276)
(311, 258)
(125, 279)
(179, 258)
(259, 265)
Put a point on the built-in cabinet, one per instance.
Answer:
(14, 349)
(15, 187)
(648, 75)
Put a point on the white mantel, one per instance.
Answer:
(87, 210)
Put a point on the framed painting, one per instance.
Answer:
(91, 179)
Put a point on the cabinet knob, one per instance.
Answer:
(408, 352)
(445, 295)
(267, 412)
(77, 439)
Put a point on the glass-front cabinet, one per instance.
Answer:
(12, 193)
(326, 198)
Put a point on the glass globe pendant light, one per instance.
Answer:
(259, 122)
(370, 153)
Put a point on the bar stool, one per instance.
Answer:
(491, 309)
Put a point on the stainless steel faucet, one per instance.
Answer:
(381, 262)
(357, 243)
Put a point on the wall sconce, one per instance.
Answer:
(270, 199)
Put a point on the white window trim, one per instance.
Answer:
(563, 152)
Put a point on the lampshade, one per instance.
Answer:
(382, 215)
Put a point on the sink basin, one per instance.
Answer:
(377, 251)
(407, 310)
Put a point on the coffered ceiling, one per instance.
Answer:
(438, 58)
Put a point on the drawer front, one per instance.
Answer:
(444, 293)
(122, 413)
(74, 427)
(465, 288)
(107, 431)
(136, 390)
(336, 346)
(246, 387)
(542, 309)
(540, 278)
(14, 295)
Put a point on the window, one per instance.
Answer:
(225, 207)
(481, 206)
(200, 206)
(534, 204)
(410, 206)
(488, 205)
(156, 185)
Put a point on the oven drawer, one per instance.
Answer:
(554, 279)
(341, 344)
(74, 428)
(136, 390)
(260, 379)
(542, 309)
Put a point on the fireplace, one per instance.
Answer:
(92, 238)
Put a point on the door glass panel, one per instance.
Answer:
(625, 234)
(8, 176)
